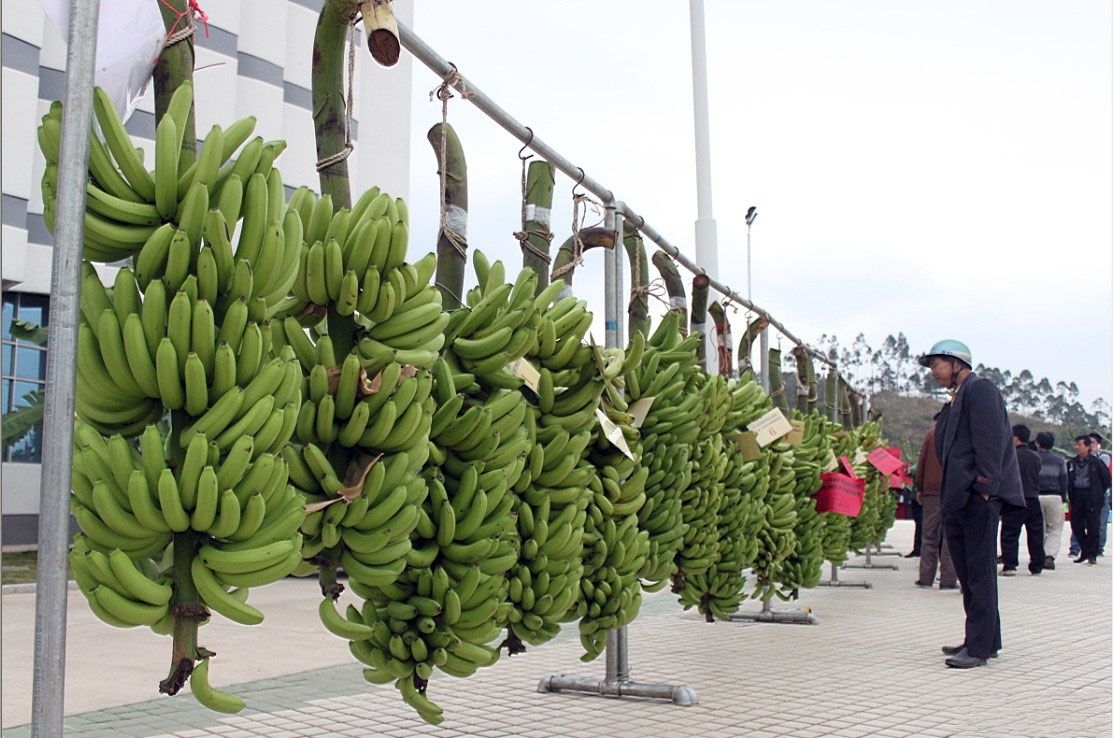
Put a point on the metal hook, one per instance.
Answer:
(578, 182)
(529, 156)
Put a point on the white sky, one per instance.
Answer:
(942, 169)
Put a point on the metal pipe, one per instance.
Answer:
(442, 68)
(835, 581)
(610, 282)
(679, 695)
(49, 673)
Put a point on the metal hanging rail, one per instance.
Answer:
(447, 71)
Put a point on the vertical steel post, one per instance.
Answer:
(49, 675)
(707, 239)
(610, 282)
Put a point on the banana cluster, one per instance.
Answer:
(776, 538)
(877, 512)
(615, 548)
(545, 582)
(665, 373)
(127, 206)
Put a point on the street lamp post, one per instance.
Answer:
(752, 213)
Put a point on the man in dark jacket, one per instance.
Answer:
(1052, 484)
(1088, 479)
(973, 440)
(1029, 464)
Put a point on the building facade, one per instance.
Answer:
(253, 57)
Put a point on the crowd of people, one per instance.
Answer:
(979, 481)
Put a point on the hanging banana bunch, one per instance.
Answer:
(665, 373)
(868, 528)
(615, 547)
(545, 582)
(183, 405)
(837, 527)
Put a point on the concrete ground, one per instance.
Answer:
(871, 666)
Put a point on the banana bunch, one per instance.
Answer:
(354, 262)
(776, 538)
(122, 591)
(710, 566)
(666, 372)
(545, 582)
(127, 206)
(871, 524)
(615, 548)
(701, 500)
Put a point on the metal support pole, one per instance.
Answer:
(835, 581)
(868, 564)
(616, 681)
(770, 615)
(49, 675)
(764, 358)
(888, 552)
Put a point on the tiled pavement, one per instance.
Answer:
(871, 667)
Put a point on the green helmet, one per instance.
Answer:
(950, 348)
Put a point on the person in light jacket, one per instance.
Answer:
(975, 444)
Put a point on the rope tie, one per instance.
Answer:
(338, 157)
(578, 216)
(174, 34)
(444, 93)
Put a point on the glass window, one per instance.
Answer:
(22, 370)
(30, 362)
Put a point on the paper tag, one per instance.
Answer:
(537, 213)
(796, 436)
(525, 371)
(640, 408)
(747, 443)
(882, 460)
(770, 427)
(614, 434)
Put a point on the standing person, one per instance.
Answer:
(979, 473)
(934, 548)
(1088, 479)
(1052, 486)
(1104, 516)
(916, 512)
(1029, 464)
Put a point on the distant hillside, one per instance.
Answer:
(906, 419)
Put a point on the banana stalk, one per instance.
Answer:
(173, 68)
(638, 310)
(777, 386)
(565, 263)
(329, 116)
(382, 31)
(806, 398)
(846, 410)
(188, 614)
(831, 394)
(699, 316)
(535, 226)
(746, 345)
(723, 336)
(452, 248)
(673, 286)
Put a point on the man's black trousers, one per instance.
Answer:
(972, 534)
(1013, 518)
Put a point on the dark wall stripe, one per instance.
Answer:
(142, 124)
(219, 40)
(314, 5)
(52, 83)
(13, 211)
(15, 53)
(36, 230)
(252, 66)
(297, 95)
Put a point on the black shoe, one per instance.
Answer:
(1092, 562)
(949, 586)
(961, 651)
(923, 585)
(914, 554)
(964, 661)
(1049, 563)
(1080, 560)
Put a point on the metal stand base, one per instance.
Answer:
(835, 581)
(768, 615)
(617, 682)
(868, 564)
(890, 552)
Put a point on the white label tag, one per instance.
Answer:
(525, 370)
(538, 214)
(770, 427)
(614, 434)
(640, 408)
